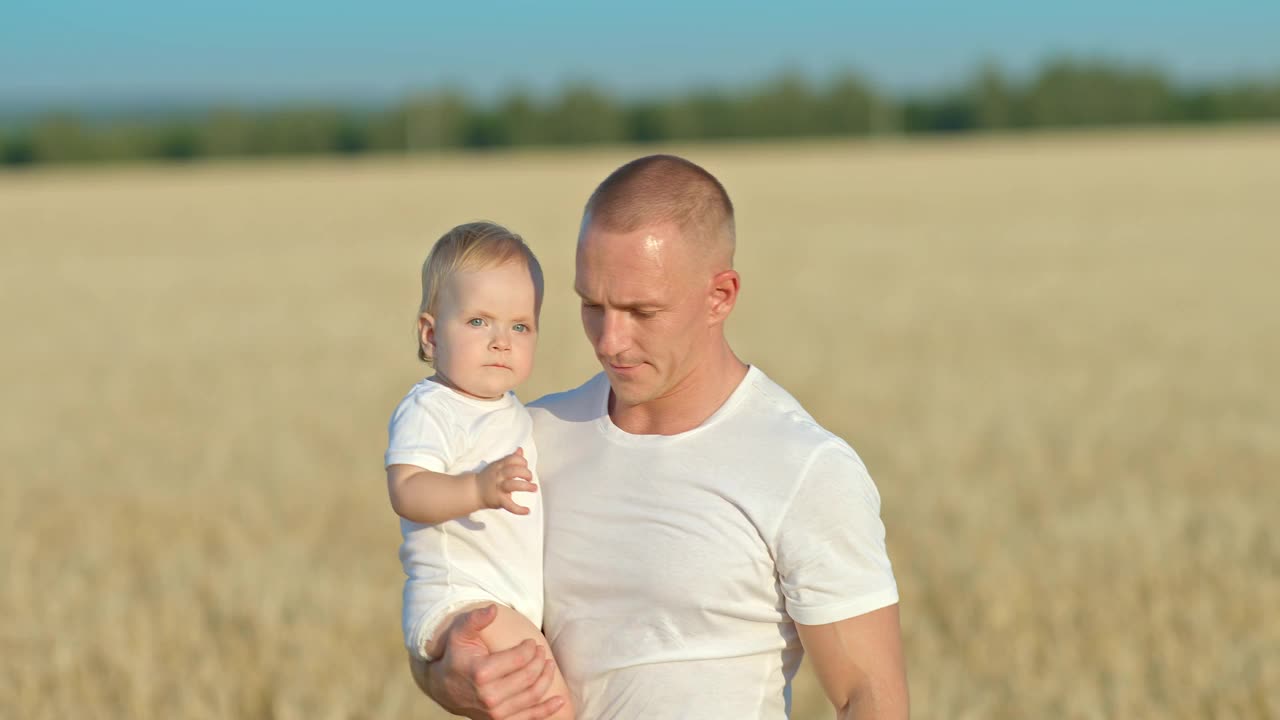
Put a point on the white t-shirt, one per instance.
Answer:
(676, 566)
(490, 555)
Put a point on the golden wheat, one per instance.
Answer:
(1056, 354)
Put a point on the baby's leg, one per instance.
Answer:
(509, 629)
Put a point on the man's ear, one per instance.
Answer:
(723, 295)
(427, 335)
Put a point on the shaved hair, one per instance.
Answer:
(661, 189)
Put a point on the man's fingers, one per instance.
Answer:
(522, 691)
(505, 662)
(526, 706)
(477, 620)
(545, 709)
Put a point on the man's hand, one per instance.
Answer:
(468, 680)
(500, 478)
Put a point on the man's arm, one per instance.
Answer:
(860, 664)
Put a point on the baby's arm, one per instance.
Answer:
(430, 497)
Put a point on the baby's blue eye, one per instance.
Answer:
(521, 327)
(475, 322)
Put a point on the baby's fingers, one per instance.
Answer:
(512, 506)
(517, 485)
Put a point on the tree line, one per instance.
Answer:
(1061, 94)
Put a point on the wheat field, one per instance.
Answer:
(1057, 355)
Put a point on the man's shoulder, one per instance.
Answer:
(777, 414)
(574, 405)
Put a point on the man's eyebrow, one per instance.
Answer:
(638, 305)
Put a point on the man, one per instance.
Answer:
(703, 532)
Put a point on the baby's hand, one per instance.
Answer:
(501, 478)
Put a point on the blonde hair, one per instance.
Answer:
(473, 246)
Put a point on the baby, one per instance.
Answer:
(461, 463)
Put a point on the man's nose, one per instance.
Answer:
(501, 340)
(614, 337)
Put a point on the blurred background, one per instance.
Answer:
(1022, 257)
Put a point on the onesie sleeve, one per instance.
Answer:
(829, 548)
(417, 437)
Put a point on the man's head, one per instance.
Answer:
(655, 274)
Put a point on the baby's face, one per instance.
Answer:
(485, 330)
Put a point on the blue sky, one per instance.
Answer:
(290, 49)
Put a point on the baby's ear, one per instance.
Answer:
(427, 335)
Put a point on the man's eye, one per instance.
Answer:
(590, 306)
(520, 327)
(476, 322)
(643, 314)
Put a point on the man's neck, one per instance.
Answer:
(687, 405)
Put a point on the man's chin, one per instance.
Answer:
(629, 390)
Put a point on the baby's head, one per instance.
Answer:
(478, 320)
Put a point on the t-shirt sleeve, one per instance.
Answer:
(416, 437)
(829, 548)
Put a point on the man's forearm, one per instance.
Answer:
(431, 682)
(418, 668)
(865, 704)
